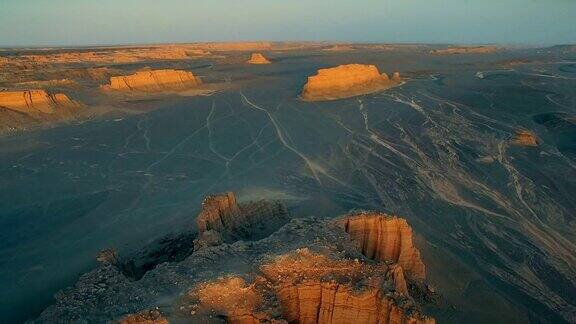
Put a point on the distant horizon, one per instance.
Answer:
(327, 42)
(60, 23)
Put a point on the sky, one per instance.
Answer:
(110, 22)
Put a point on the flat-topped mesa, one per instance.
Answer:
(154, 81)
(248, 221)
(386, 238)
(257, 58)
(35, 101)
(347, 81)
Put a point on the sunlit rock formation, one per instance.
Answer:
(307, 287)
(35, 101)
(312, 288)
(257, 58)
(465, 50)
(386, 238)
(152, 316)
(154, 81)
(525, 138)
(233, 46)
(346, 81)
(307, 271)
(222, 218)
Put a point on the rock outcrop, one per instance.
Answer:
(347, 81)
(306, 287)
(152, 316)
(525, 138)
(154, 81)
(307, 271)
(386, 238)
(33, 102)
(312, 288)
(257, 58)
(232, 221)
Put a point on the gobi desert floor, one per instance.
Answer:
(474, 148)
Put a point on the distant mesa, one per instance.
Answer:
(234, 46)
(339, 48)
(33, 102)
(465, 50)
(257, 58)
(347, 81)
(154, 81)
(525, 138)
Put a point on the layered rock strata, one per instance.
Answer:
(154, 80)
(257, 58)
(346, 81)
(386, 238)
(308, 271)
(35, 101)
(223, 219)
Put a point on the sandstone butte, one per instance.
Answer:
(222, 219)
(386, 238)
(525, 138)
(305, 271)
(34, 102)
(153, 81)
(305, 287)
(347, 81)
(257, 58)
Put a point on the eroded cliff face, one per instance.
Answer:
(224, 218)
(346, 81)
(154, 81)
(306, 287)
(385, 238)
(34, 102)
(307, 271)
(257, 58)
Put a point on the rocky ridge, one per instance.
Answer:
(308, 271)
(346, 81)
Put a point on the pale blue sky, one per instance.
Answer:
(99, 22)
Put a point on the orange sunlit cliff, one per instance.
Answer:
(346, 81)
(257, 58)
(35, 101)
(154, 80)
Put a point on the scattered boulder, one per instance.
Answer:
(525, 138)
